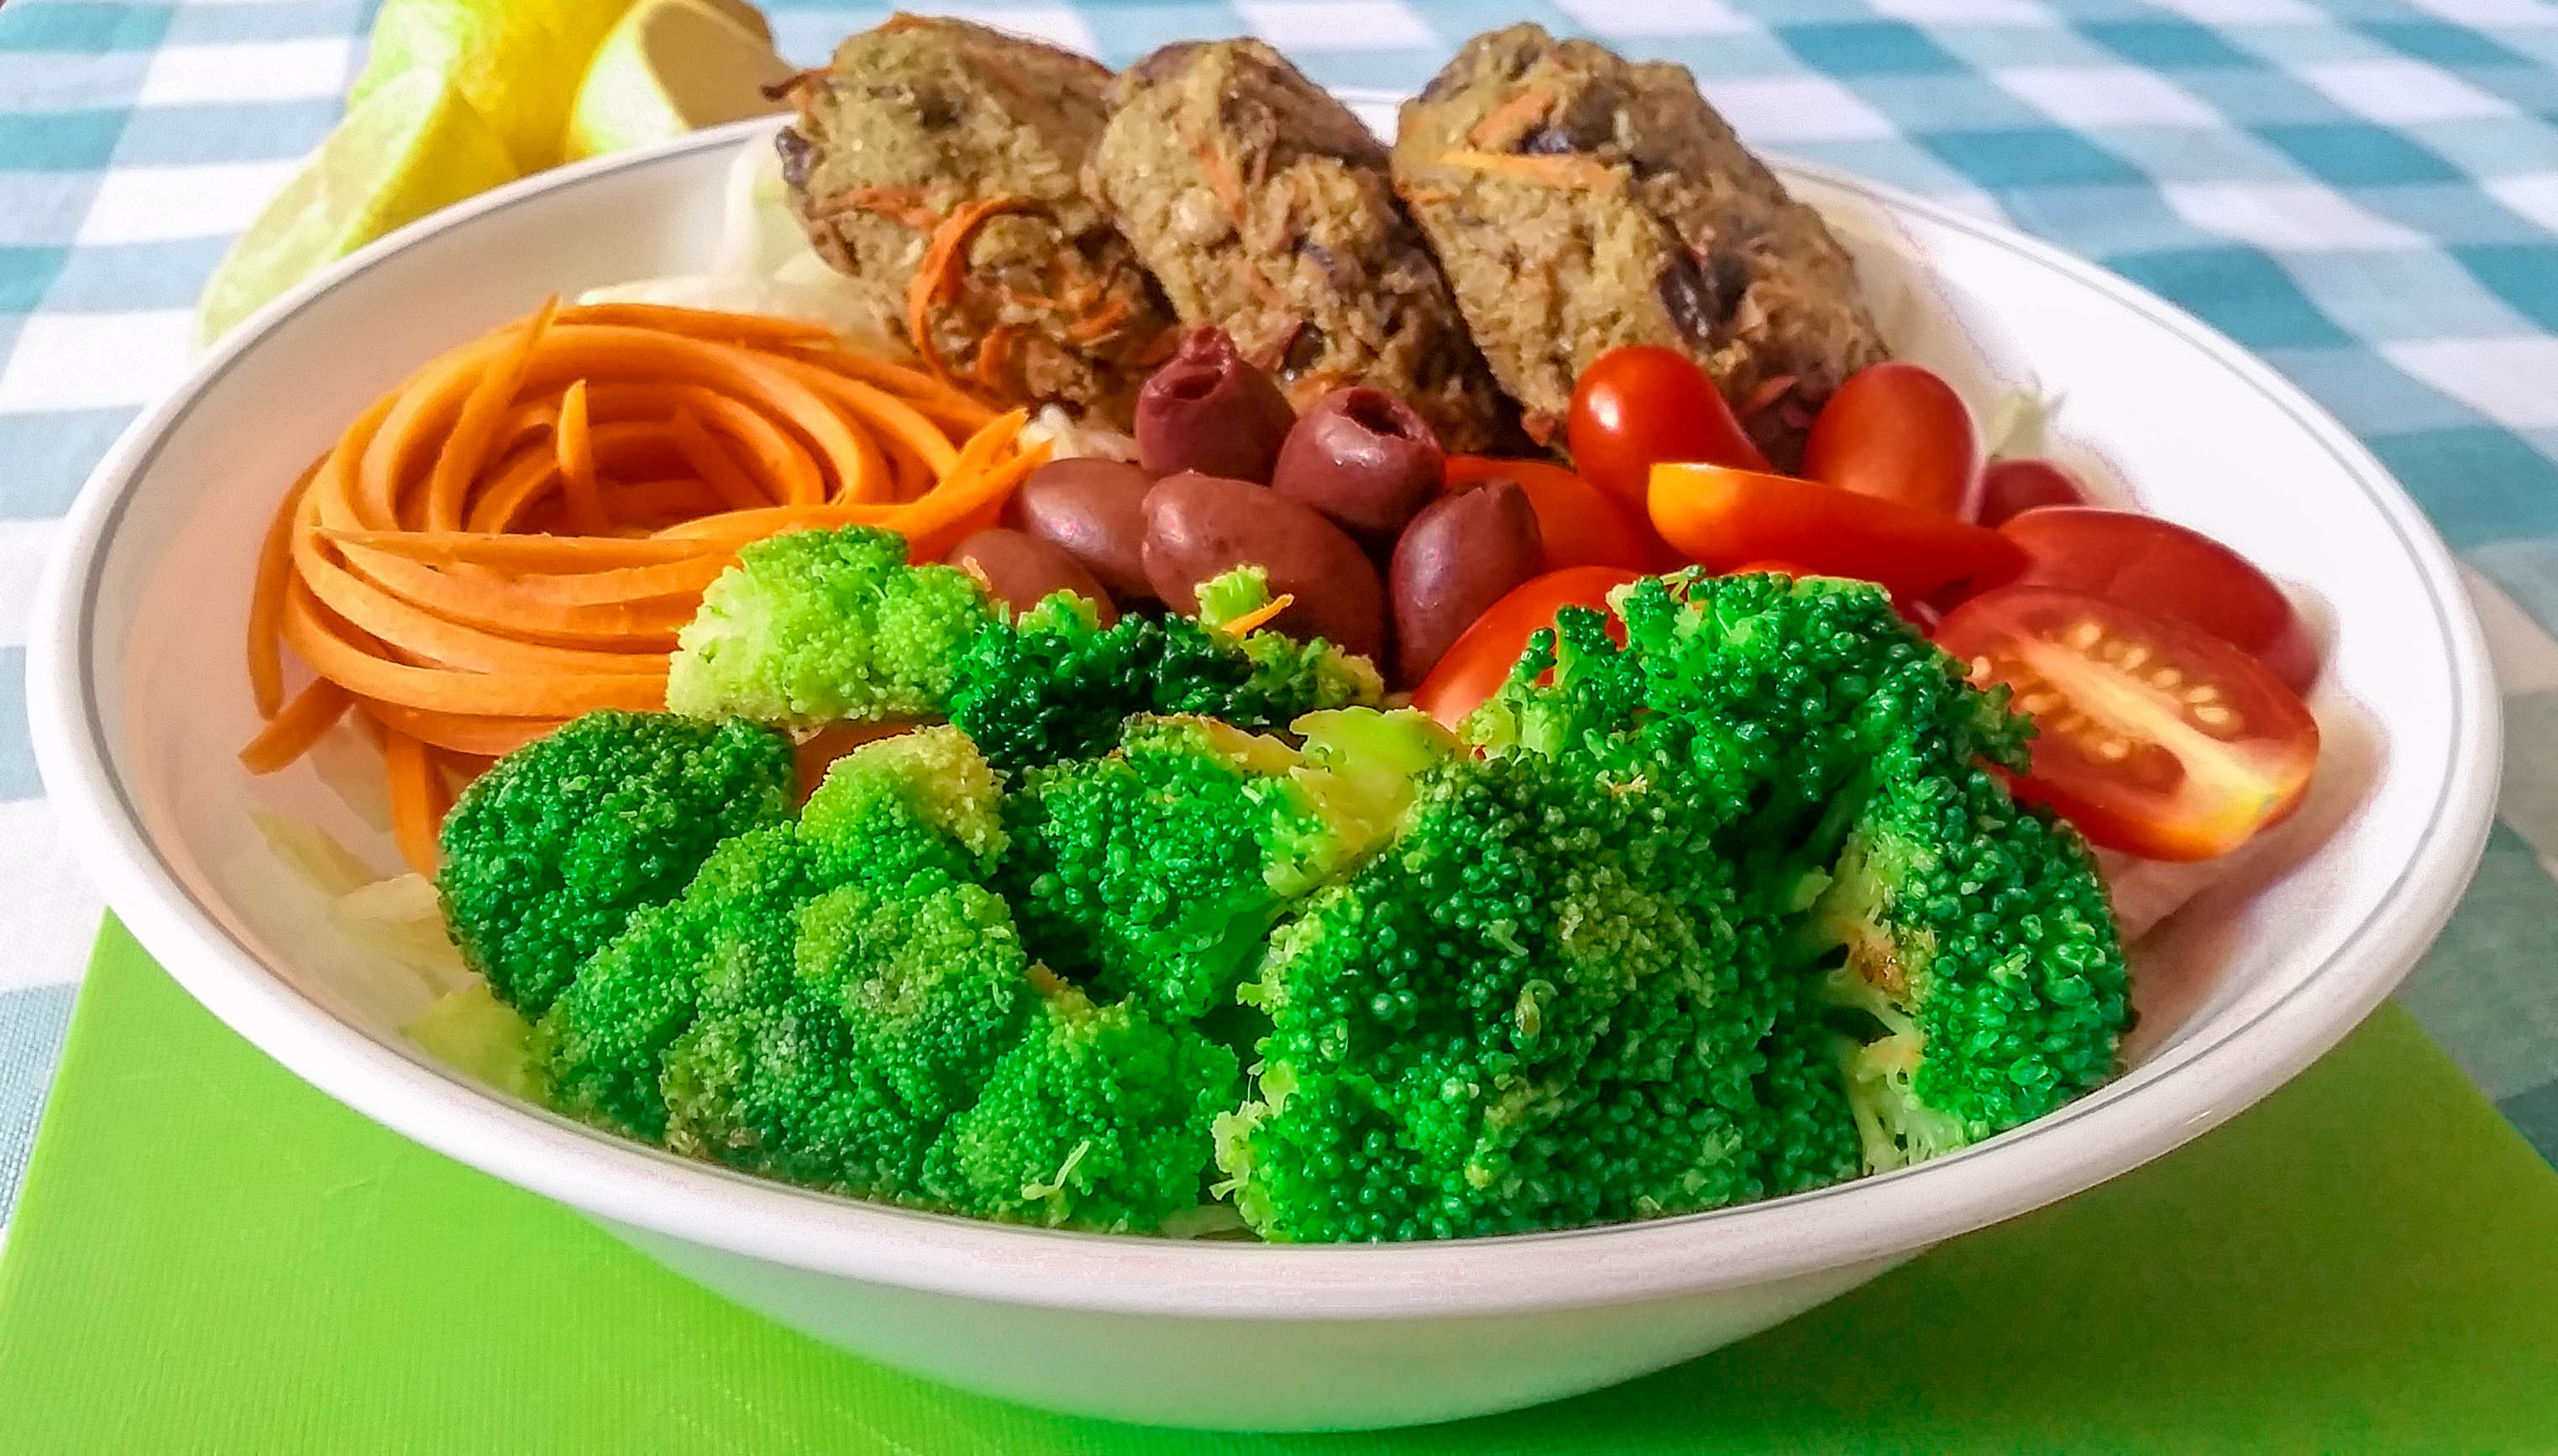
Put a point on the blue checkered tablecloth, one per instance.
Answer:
(2365, 191)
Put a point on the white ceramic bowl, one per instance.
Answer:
(139, 703)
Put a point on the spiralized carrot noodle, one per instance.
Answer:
(514, 535)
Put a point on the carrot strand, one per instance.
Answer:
(290, 733)
(575, 451)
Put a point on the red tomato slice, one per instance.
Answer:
(1579, 525)
(1480, 662)
(2161, 569)
(1641, 405)
(2010, 488)
(1898, 432)
(1723, 517)
(2153, 737)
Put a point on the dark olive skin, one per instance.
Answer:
(1021, 570)
(1210, 410)
(1361, 457)
(1200, 526)
(1459, 557)
(1094, 511)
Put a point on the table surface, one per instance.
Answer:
(2364, 192)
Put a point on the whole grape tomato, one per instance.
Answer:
(1639, 406)
(1897, 431)
(2010, 488)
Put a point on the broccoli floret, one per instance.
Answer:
(547, 854)
(1585, 981)
(1160, 869)
(1526, 1012)
(1233, 595)
(1981, 967)
(842, 1073)
(816, 627)
(1058, 684)
(839, 1003)
(900, 806)
(923, 799)
(604, 1042)
(1806, 1135)
(1100, 1120)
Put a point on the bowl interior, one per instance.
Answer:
(150, 611)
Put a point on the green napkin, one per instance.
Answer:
(212, 1257)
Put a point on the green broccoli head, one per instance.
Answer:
(604, 1042)
(891, 810)
(1160, 868)
(1233, 596)
(547, 854)
(923, 798)
(817, 627)
(842, 1073)
(1057, 686)
(1979, 971)
(1526, 1012)
(1765, 693)
(1807, 1133)
(1099, 1118)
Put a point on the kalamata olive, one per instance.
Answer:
(1199, 526)
(1021, 570)
(1094, 511)
(1361, 457)
(1459, 557)
(1209, 410)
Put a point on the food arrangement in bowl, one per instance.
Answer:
(1481, 700)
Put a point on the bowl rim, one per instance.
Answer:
(1872, 1218)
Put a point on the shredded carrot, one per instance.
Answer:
(938, 277)
(718, 325)
(514, 534)
(415, 814)
(1573, 169)
(897, 204)
(1099, 323)
(520, 552)
(1259, 617)
(1505, 122)
(574, 447)
(290, 733)
(267, 601)
(716, 467)
(992, 350)
(467, 444)
(1255, 281)
(464, 733)
(1220, 179)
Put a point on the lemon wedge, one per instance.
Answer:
(414, 145)
(516, 62)
(673, 67)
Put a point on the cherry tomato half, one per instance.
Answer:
(1642, 405)
(1723, 517)
(1480, 662)
(2153, 737)
(1579, 525)
(2010, 488)
(1895, 431)
(2161, 569)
